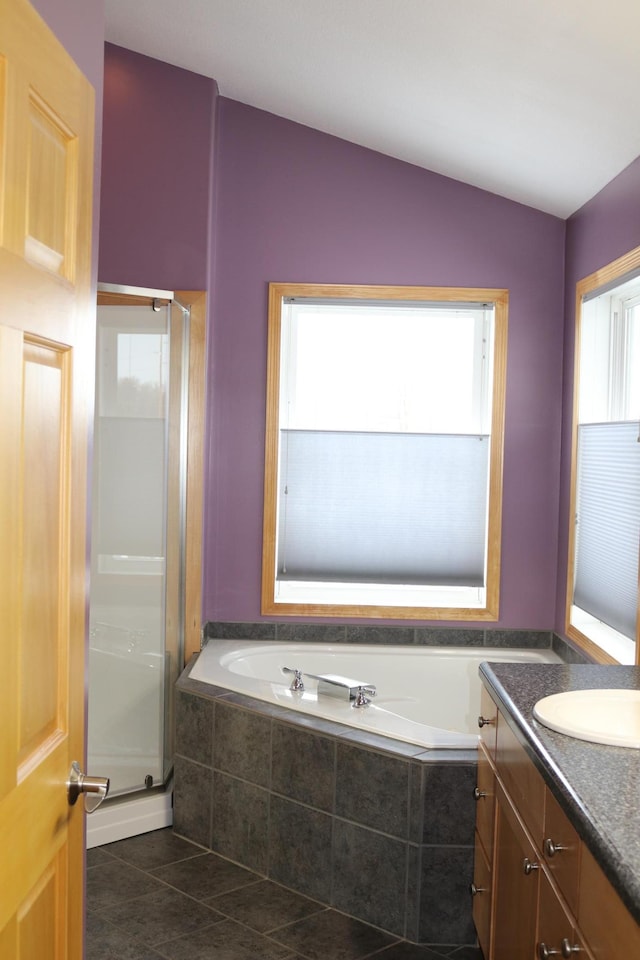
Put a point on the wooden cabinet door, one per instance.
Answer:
(516, 870)
(46, 391)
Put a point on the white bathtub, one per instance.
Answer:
(429, 696)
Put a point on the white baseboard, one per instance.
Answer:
(119, 819)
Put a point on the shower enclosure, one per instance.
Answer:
(138, 530)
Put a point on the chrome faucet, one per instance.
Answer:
(297, 684)
(363, 695)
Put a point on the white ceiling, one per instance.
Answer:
(536, 100)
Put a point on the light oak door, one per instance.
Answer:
(47, 323)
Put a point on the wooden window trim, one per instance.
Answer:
(616, 270)
(500, 299)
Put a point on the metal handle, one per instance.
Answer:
(478, 793)
(551, 848)
(476, 890)
(94, 789)
(297, 683)
(528, 866)
(486, 721)
(567, 949)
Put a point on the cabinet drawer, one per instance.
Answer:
(521, 778)
(556, 930)
(481, 891)
(608, 928)
(561, 849)
(488, 722)
(485, 804)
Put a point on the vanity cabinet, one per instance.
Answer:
(538, 892)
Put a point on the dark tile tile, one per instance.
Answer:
(310, 633)
(445, 903)
(449, 805)
(466, 953)
(514, 639)
(567, 652)
(412, 928)
(194, 727)
(226, 630)
(387, 635)
(265, 906)
(154, 849)
(192, 800)
(372, 789)
(205, 876)
(103, 941)
(303, 766)
(240, 821)
(98, 856)
(300, 848)
(416, 801)
(449, 637)
(225, 941)
(242, 743)
(161, 916)
(376, 893)
(332, 936)
(116, 881)
(408, 951)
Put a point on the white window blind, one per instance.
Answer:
(396, 508)
(608, 524)
(384, 443)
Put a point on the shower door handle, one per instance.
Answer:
(94, 789)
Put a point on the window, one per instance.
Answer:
(383, 478)
(602, 601)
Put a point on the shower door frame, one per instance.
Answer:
(196, 301)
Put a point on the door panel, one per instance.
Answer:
(47, 325)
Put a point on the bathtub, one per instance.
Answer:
(429, 696)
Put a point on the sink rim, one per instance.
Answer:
(551, 712)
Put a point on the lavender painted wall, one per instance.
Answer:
(604, 229)
(157, 155)
(294, 204)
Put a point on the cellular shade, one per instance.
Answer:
(608, 524)
(382, 507)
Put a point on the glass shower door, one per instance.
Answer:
(137, 542)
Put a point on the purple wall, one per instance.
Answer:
(294, 204)
(157, 156)
(604, 229)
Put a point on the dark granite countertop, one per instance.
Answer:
(597, 786)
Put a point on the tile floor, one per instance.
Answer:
(159, 896)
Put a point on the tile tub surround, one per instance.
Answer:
(421, 636)
(288, 632)
(378, 829)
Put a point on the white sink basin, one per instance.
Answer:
(601, 716)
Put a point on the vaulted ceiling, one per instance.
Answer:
(536, 100)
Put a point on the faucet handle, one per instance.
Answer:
(363, 695)
(297, 683)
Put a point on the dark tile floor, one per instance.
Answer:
(159, 896)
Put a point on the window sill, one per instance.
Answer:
(583, 626)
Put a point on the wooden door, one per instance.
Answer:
(46, 394)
